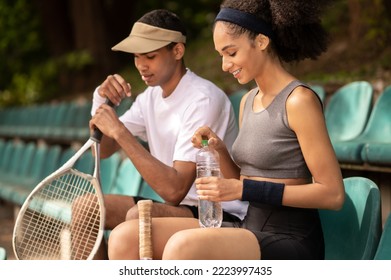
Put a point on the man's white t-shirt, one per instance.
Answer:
(168, 124)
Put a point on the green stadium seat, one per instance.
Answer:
(6, 156)
(108, 171)
(19, 167)
(348, 110)
(320, 91)
(80, 130)
(147, 192)
(346, 115)
(2, 146)
(353, 233)
(3, 254)
(128, 179)
(383, 251)
(377, 135)
(46, 161)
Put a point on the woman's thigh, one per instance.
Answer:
(212, 243)
(124, 239)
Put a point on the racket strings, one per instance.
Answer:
(62, 220)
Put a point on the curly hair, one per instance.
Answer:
(298, 32)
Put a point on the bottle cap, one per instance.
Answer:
(204, 142)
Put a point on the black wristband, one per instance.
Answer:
(263, 192)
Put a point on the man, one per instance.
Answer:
(175, 104)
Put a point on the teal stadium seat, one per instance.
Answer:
(61, 116)
(348, 110)
(17, 169)
(12, 159)
(45, 162)
(377, 135)
(353, 233)
(84, 164)
(147, 192)
(320, 91)
(2, 146)
(6, 156)
(124, 106)
(108, 171)
(81, 130)
(37, 162)
(346, 115)
(128, 179)
(383, 251)
(3, 254)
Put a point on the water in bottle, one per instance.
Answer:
(210, 213)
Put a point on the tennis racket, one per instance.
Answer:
(145, 229)
(63, 217)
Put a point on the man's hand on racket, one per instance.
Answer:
(107, 121)
(115, 88)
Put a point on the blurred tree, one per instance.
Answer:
(20, 48)
(49, 49)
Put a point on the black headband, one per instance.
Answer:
(245, 20)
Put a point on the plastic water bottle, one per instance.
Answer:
(210, 213)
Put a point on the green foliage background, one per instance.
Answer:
(28, 74)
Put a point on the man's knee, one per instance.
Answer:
(161, 210)
(132, 213)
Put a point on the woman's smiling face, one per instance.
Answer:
(239, 54)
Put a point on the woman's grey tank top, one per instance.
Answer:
(266, 146)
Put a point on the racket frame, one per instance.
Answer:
(66, 168)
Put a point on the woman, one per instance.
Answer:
(282, 162)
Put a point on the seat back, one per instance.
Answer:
(2, 145)
(348, 110)
(383, 251)
(13, 161)
(353, 232)
(3, 254)
(6, 156)
(128, 179)
(147, 192)
(108, 171)
(26, 162)
(379, 123)
(320, 91)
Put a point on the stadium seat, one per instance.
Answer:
(19, 166)
(108, 171)
(320, 91)
(2, 144)
(346, 115)
(46, 160)
(147, 192)
(377, 135)
(353, 233)
(3, 254)
(128, 179)
(348, 110)
(383, 251)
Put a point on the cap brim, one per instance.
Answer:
(135, 44)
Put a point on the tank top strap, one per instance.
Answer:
(284, 94)
(289, 88)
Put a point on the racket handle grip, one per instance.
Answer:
(97, 134)
(145, 229)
